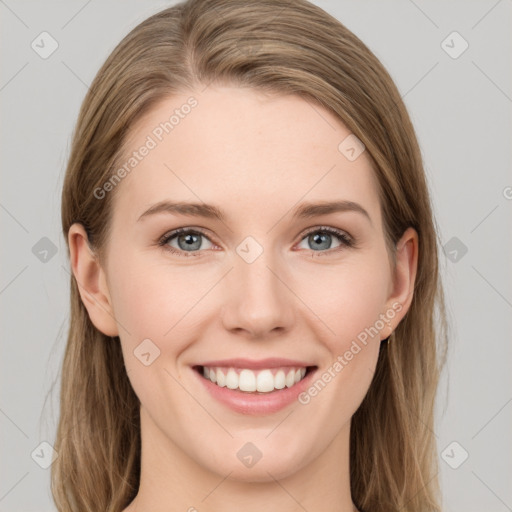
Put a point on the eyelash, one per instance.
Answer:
(346, 240)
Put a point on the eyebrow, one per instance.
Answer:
(303, 211)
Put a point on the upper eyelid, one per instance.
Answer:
(202, 231)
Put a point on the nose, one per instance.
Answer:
(258, 301)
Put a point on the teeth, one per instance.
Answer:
(263, 381)
(290, 379)
(280, 380)
(231, 379)
(247, 381)
(221, 378)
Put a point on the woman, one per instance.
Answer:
(255, 274)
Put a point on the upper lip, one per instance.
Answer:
(271, 362)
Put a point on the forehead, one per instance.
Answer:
(239, 148)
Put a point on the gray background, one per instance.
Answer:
(461, 110)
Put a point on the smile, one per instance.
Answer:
(255, 387)
(265, 380)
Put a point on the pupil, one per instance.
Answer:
(190, 241)
(321, 238)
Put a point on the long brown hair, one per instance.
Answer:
(283, 47)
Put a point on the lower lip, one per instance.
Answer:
(256, 403)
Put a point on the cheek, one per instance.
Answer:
(157, 306)
(152, 300)
(159, 300)
(347, 299)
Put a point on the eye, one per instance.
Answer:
(189, 242)
(321, 238)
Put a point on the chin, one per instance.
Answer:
(262, 468)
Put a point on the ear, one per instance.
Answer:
(403, 282)
(91, 281)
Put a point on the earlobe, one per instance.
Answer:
(405, 275)
(91, 281)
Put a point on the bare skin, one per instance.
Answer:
(257, 158)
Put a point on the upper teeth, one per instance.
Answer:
(263, 381)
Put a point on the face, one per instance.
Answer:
(262, 296)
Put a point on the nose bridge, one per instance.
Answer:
(257, 299)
